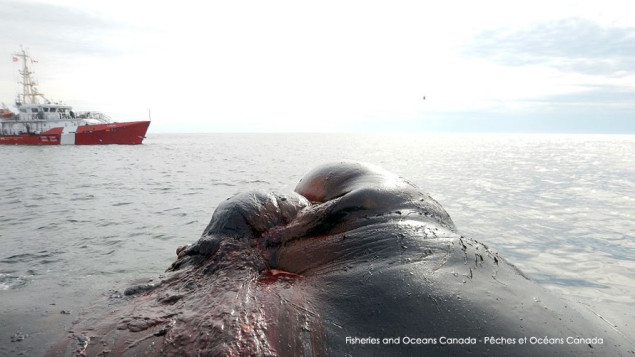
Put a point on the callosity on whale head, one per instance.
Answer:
(356, 261)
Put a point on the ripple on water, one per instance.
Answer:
(552, 279)
(27, 257)
(107, 224)
(11, 281)
(83, 197)
(121, 204)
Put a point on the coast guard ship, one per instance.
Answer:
(40, 121)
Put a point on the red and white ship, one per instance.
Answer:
(40, 121)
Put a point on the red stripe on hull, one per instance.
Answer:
(130, 133)
(30, 139)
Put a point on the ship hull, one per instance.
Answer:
(128, 133)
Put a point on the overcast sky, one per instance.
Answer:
(206, 66)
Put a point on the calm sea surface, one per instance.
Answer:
(76, 222)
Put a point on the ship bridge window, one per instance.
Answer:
(46, 109)
(53, 109)
(62, 110)
(34, 110)
(23, 110)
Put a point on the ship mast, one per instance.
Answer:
(29, 90)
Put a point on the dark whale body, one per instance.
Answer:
(356, 261)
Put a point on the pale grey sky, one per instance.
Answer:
(537, 66)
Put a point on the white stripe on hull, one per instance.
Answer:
(68, 136)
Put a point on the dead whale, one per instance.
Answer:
(356, 261)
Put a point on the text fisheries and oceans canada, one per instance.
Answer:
(488, 340)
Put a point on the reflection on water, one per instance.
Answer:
(77, 221)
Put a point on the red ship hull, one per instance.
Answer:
(129, 133)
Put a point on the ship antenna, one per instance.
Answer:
(29, 85)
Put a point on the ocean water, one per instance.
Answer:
(79, 222)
